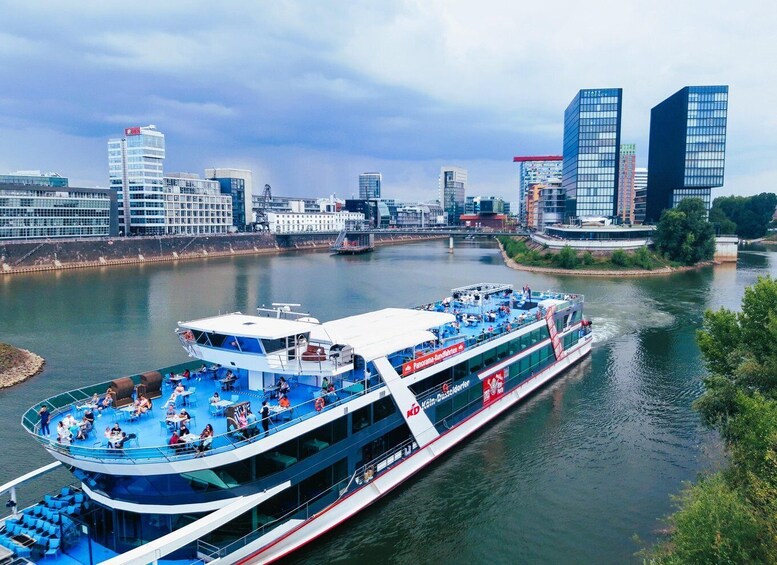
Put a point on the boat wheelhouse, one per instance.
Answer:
(354, 407)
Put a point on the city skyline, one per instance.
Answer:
(315, 103)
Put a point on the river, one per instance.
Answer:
(568, 477)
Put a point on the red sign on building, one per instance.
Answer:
(132, 131)
(431, 359)
(493, 387)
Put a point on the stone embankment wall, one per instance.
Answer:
(25, 257)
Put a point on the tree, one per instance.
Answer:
(683, 234)
(714, 525)
(740, 353)
(747, 216)
(566, 258)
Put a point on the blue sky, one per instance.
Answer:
(310, 94)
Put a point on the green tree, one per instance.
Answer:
(642, 259)
(747, 216)
(566, 258)
(683, 234)
(714, 525)
(740, 353)
(587, 258)
(619, 258)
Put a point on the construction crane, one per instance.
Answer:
(262, 221)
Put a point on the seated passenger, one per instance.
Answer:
(215, 398)
(325, 385)
(175, 441)
(186, 374)
(283, 402)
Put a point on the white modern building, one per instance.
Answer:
(135, 166)
(305, 222)
(453, 189)
(195, 206)
(369, 185)
(420, 216)
(238, 183)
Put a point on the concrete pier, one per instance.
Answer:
(726, 248)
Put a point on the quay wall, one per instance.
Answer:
(48, 255)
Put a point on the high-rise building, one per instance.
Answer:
(34, 177)
(195, 206)
(592, 137)
(536, 169)
(551, 206)
(640, 194)
(687, 147)
(135, 164)
(453, 187)
(369, 185)
(626, 177)
(238, 183)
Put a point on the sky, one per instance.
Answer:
(310, 94)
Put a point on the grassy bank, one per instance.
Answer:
(567, 258)
(10, 357)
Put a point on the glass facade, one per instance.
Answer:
(135, 166)
(28, 212)
(453, 186)
(687, 147)
(535, 170)
(369, 185)
(592, 131)
(34, 177)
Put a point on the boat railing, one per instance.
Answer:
(304, 511)
(381, 463)
(226, 441)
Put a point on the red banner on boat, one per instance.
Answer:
(493, 387)
(431, 359)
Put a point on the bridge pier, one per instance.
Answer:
(450, 244)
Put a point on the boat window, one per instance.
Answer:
(272, 345)
(384, 408)
(502, 351)
(249, 344)
(515, 369)
(460, 401)
(360, 418)
(525, 340)
(489, 357)
(460, 371)
(475, 393)
(200, 337)
(476, 363)
(514, 346)
(443, 410)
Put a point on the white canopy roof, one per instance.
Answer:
(379, 333)
(249, 326)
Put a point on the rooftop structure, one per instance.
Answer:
(34, 177)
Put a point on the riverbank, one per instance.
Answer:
(17, 365)
(18, 258)
(511, 263)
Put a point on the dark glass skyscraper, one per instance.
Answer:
(687, 147)
(592, 138)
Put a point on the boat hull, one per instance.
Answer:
(291, 536)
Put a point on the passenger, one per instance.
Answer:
(242, 419)
(325, 385)
(284, 402)
(119, 443)
(184, 431)
(252, 421)
(89, 415)
(116, 429)
(283, 386)
(186, 374)
(215, 398)
(266, 417)
(145, 404)
(170, 409)
(63, 433)
(206, 439)
(175, 441)
(107, 400)
(184, 417)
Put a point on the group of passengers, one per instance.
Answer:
(70, 429)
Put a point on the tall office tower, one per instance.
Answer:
(195, 206)
(135, 164)
(369, 186)
(687, 147)
(592, 137)
(538, 169)
(35, 178)
(238, 183)
(640, 194)
(453, 187)
(626, 177)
